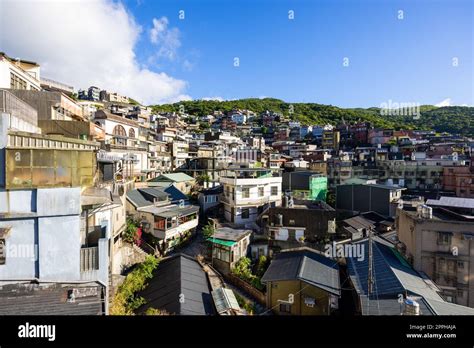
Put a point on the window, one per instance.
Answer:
(131, 133)
(291, 222)
(260, 191)
(245, 213)
(245, 192)
(121, 134)
(444, 238)
(220, 253)
(3, 252)
(460, 265)
(274, 190)
(16, 82)
(460, 294)
(285, 308)
(211, 199)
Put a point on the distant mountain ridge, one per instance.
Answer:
(453, 119)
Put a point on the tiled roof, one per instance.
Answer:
(50, 299)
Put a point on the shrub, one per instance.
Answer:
(126, 301)
(243, 271)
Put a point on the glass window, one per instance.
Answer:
(245, 192)
(260, 191)
(245, 213)
(274, 190)
(285, 308)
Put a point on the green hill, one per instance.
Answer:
(454, 119)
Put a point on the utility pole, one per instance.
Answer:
(370, 276)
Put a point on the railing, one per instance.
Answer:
(89, 259)
(246, 201)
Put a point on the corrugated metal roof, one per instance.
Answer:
(175, 177)
(175, 211)
(394, 276)
(306, 265)
(224, 300)
(455, 202)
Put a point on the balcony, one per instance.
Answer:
(248, 202)
(89, 259)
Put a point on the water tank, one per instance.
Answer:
(280, 219)
(290, 202)
(427, 212)
(419, 210)
(411, 307)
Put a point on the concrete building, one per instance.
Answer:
(297, 223)
(302, 282)
(50, 208)
(382, 199)
(248, 192)
(331, 139)
(437, 239)
(121, 138)
(19, 74)
(306, 185)
(459, 179)
(92, 93)
(17, 114)
(51, 105)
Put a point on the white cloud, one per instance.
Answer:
(213, 98)
(86, 43)
(446, 102)
(166, 38)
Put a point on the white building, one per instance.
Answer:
(19, 74)
(239, 118)
(248, 192)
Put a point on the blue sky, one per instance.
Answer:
(301, 60)
(142, 49)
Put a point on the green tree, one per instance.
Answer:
(208, 230)
(130, 233)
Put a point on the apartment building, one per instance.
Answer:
(179, 153)
(437, 239)
(459, 179)
(331, 139)
(248, 192)
(121, 138)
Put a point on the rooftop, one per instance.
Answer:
(177, 276)
(307, 265)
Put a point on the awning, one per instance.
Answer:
(221, 241)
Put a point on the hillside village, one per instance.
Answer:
(110, 207)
